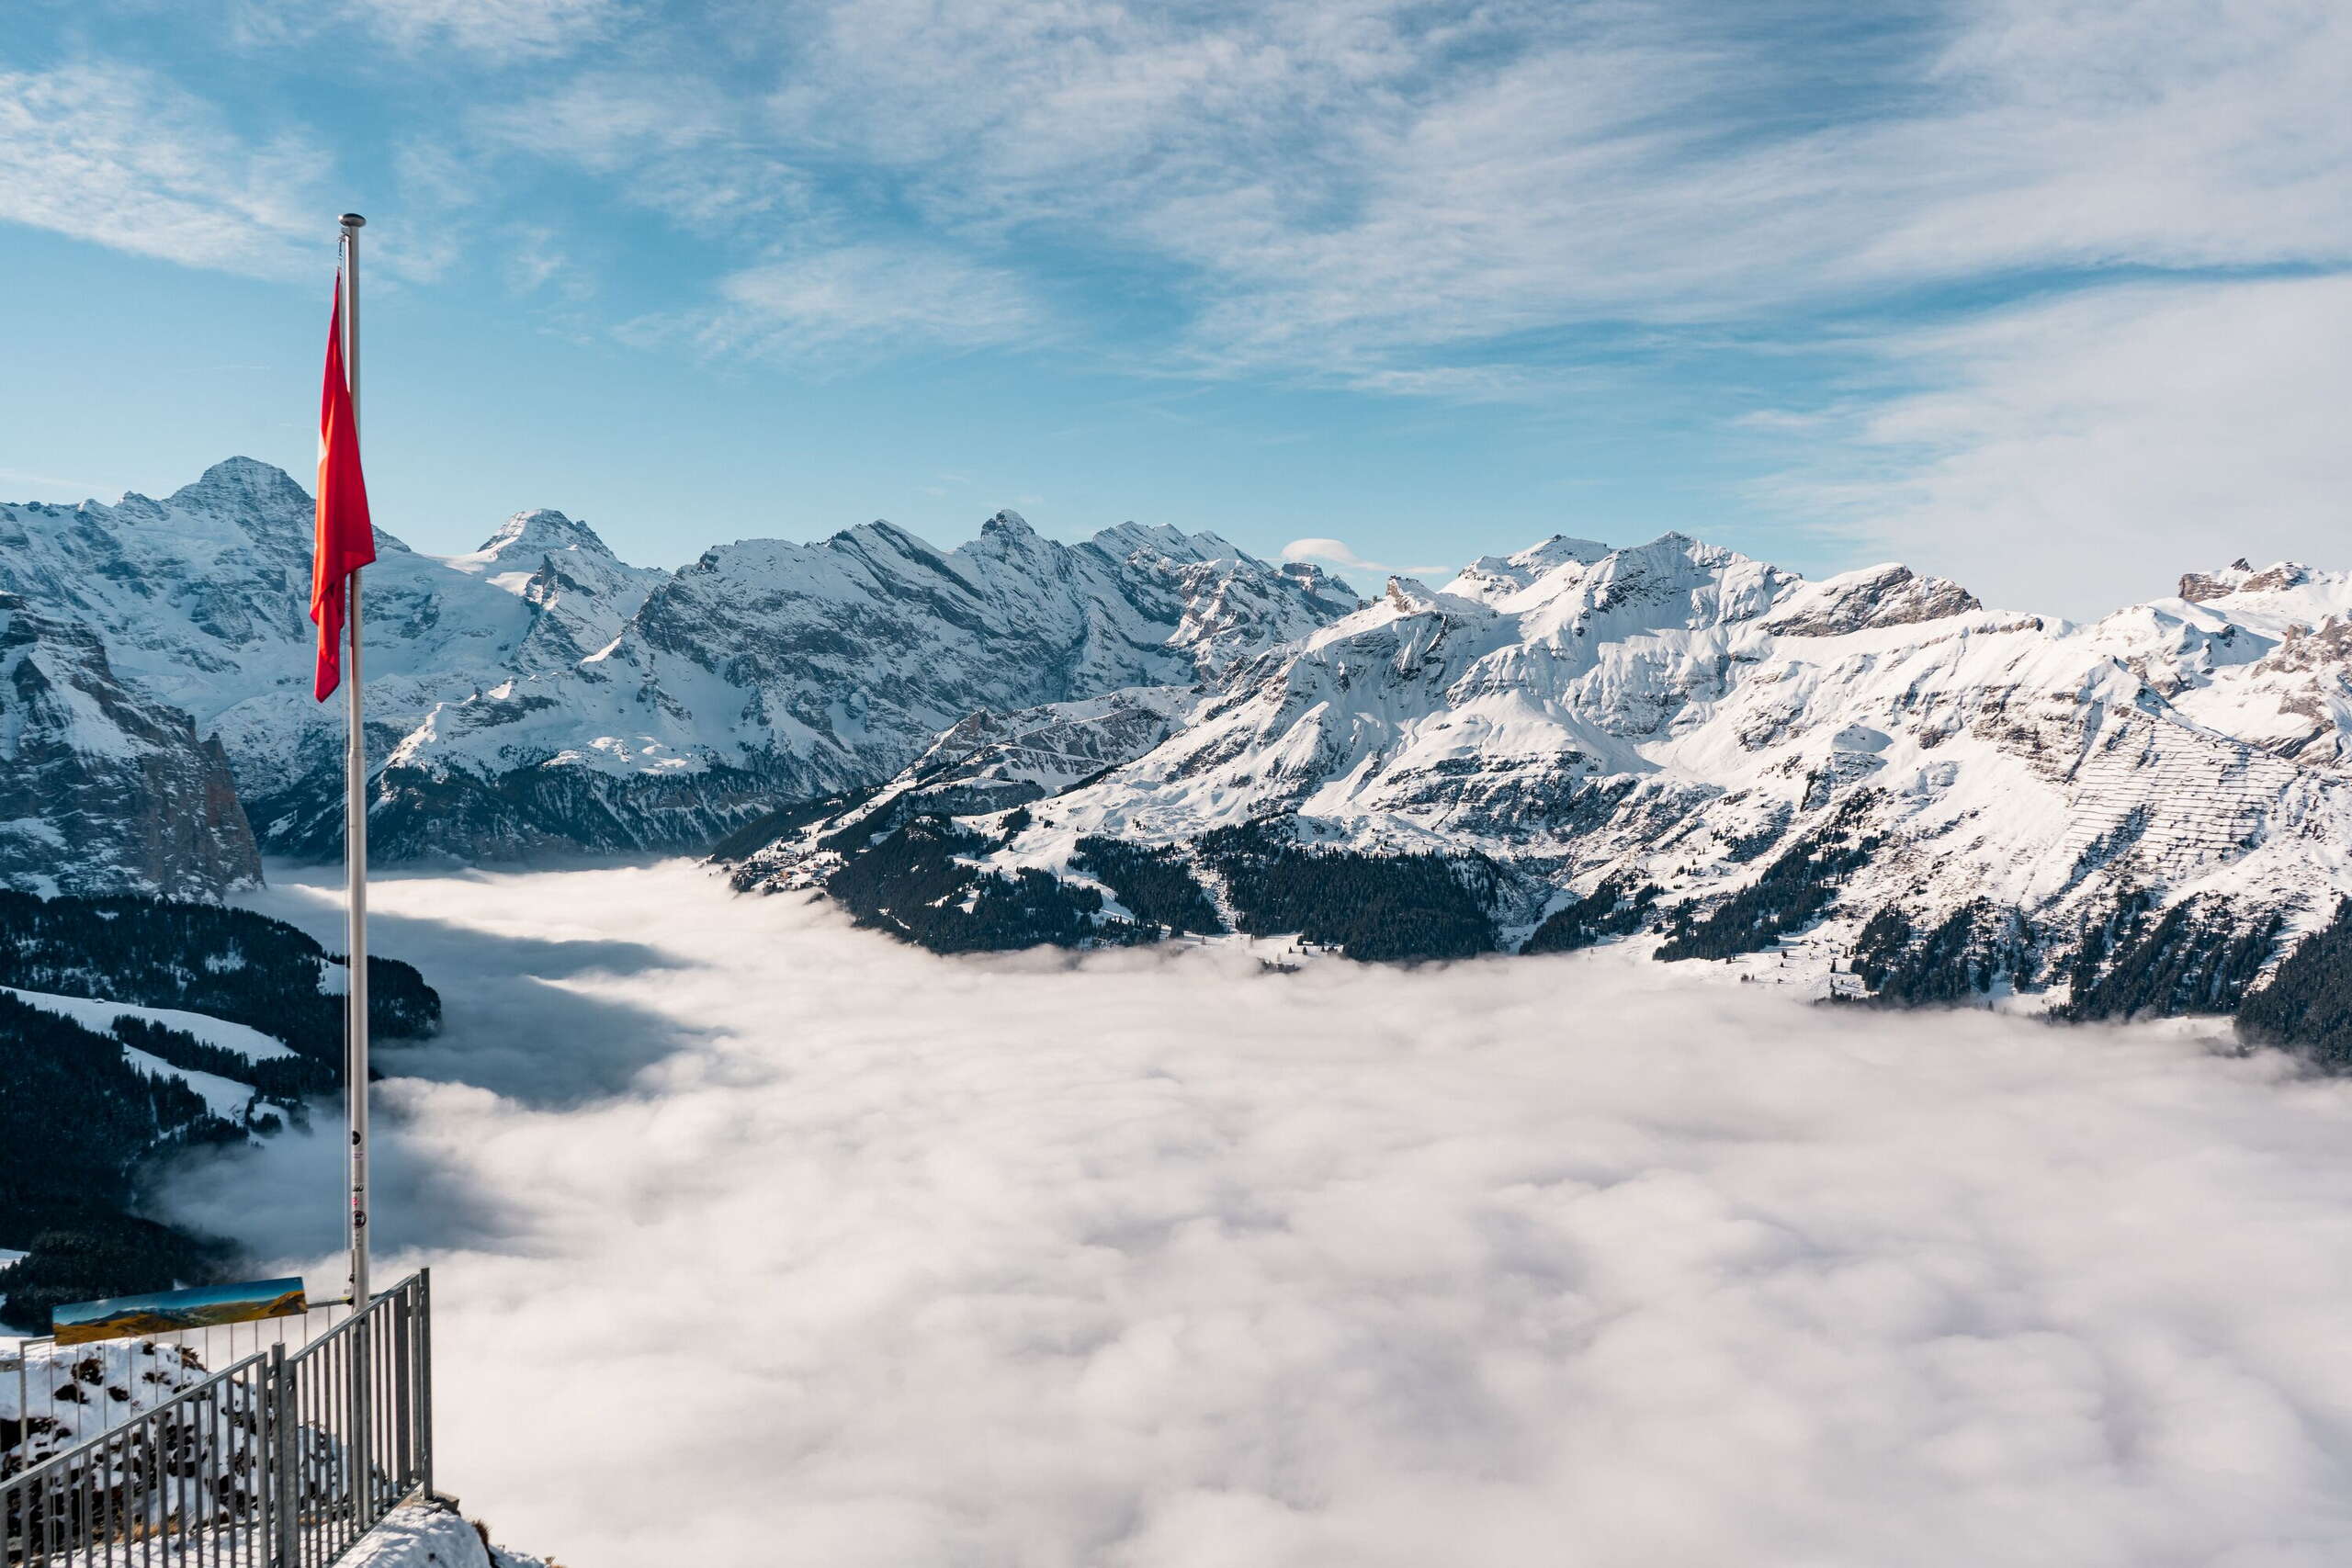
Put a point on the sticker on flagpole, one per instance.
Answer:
(169, 1311)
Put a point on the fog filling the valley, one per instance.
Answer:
(780, 1243)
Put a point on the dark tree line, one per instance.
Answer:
(227, 962)
(1155, 883)
(2198, 956)
(766, 828)
(1959, 956)
(1613, 908)
(282, 1079)
(77, 1122)
(1375, 907)
(2307, 1006)
(1792, 894)
(916, 881)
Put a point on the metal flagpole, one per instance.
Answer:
(357, 1442)
(354, 810)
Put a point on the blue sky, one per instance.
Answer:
(2054, 297)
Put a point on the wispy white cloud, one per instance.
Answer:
(500, 29)
(607, 122)
(1350, 187)
(123, 158)
(536, 260)
(2076, 454)
(673, 143)
(858, 303)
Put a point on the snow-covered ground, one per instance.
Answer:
(420, 1536)
(99, 1014)
(761, 1240)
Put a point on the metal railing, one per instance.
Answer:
(282, 1459)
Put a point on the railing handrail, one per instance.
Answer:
(67, 1456)
(352, 1321)
(322, 1443)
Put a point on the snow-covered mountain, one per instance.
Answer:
(200, 601)
(769, 671)
(1870, 783)
(540, 694)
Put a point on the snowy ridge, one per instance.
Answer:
(539, 693)
(1684, 726)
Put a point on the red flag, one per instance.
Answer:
(346, 536)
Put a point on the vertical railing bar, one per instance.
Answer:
(209, 1457)
(396, 1391)
(425, 1375)
(192, 1510)
(254, 1498)
(408, 1389)
(152, 1508)
(299, 1391)
(267, 1486)
(314, 1482)
(145, 1427)
(297, 1382)
(233, 1504)
(98, 1495)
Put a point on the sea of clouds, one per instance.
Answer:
(759, 1240)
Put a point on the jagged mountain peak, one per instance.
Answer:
(1544, 556)
(1411, 596)
(1317, 579)
(1007, 521)
(882, 535)
(1130, 540)
(1886, 595)
(2240, 577)
(1494, 577)
(527, 534)
(246, 483)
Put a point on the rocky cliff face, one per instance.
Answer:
(101, 790)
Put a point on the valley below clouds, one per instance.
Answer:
(759, 1238)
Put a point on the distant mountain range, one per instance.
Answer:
(539, 694)
(1870, 786)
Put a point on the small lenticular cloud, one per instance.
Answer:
(1335, 552)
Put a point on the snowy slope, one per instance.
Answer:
(230, 1098)
(97, 1013)
(810, 667)
(1679, 725)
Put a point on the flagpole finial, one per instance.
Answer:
(353, 220)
